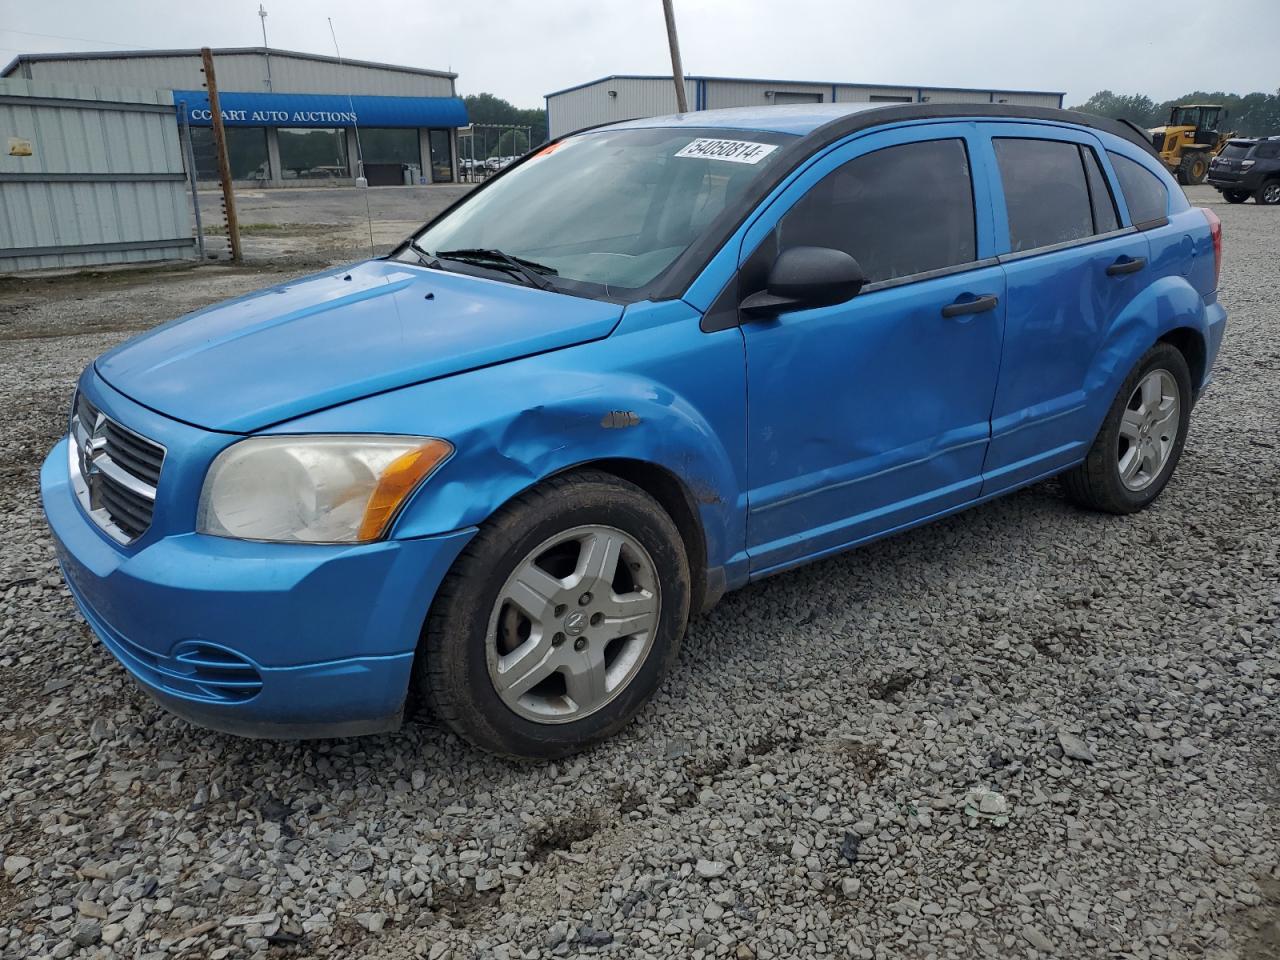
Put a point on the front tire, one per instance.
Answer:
(1193, 169)
(559, 620)
(1235, 196)
(1141, 440)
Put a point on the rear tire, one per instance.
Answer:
(1235, 196)
(528, 649)
(1141, 440)
(1269, 193)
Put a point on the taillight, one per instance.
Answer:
(1215, 231)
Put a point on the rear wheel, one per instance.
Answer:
(1270, 193)
(559, 620)
(1235, 196)
(1141, 439)
(1193, 168)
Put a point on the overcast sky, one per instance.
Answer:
(521, 50)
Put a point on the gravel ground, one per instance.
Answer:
(1025, 731)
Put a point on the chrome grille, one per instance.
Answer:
(114, 471)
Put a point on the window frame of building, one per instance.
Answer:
(340, 170)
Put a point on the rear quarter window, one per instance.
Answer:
(1267, 151)
(1144, 192)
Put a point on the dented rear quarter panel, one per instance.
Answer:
(658, 390)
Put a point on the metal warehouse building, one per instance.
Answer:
(624, 97)
(291, 118)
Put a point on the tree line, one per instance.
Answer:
(486, 108)
(1249, 115)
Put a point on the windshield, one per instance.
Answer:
(605, 212)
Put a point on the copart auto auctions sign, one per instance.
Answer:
(276, 116)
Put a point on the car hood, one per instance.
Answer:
(326, 339)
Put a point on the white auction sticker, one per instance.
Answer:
(735, 151)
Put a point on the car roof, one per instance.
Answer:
(797, 119)
(822, 121)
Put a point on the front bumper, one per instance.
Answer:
(255, 639)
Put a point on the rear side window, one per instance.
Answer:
(1045, 192)
(898, 211)
(1144, 193)
(1105, 217)
(1267, 151)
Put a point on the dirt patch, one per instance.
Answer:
(462, 907)
(1258, 928)
(561, 835)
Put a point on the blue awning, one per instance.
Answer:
(322, 110)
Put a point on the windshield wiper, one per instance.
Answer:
(426, 256)
(533, 272)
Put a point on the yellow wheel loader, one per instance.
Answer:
(1192, 137)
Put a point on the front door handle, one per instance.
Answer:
(980, 304)
(1126, 265)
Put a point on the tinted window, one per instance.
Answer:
(898, 211)
(1104, 205)
(1044, 191)
(1267, 151)
(1144, 194)
(1236, 150)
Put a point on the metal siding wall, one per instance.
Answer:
(244, 72)
(75, 139)
(751, 93)
(637, 97)
(957, 96)
(1029, 99)
(857, 93)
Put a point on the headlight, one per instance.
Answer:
(318, 489)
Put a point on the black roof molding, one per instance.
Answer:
(217, 52)
(901, 112)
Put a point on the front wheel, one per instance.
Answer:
(1141, 439)
(559, 620)
(1193, 169)
(1235, 196)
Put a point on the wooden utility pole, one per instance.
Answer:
(677, 69)
(224, 165)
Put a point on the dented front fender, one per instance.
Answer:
(658, 391)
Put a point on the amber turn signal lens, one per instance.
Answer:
(398, 480)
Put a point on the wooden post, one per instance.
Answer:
(677, 69)
(224, 165)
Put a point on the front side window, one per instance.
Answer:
(607, 212)
(899, 211)
(1144, 194)
(1045, 192)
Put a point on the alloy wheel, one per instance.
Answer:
(573, 624)
(1148, 429)
(1271, 193)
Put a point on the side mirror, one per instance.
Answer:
(805, 277)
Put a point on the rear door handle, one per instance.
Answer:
(1126, 265)
(980, 304)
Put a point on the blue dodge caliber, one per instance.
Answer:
(645, 365)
